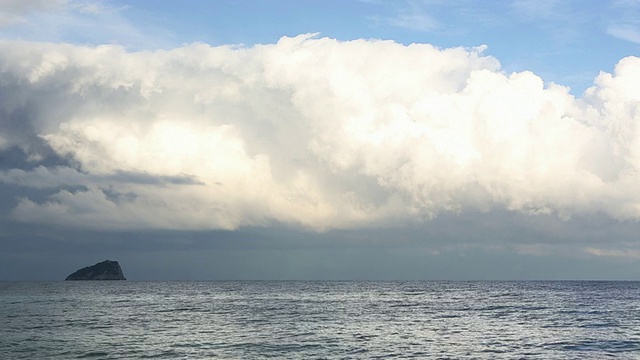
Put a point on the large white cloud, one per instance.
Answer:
(313, 132)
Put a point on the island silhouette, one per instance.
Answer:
(105, 270)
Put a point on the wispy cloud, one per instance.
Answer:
(75, 21)
(419, 21)
(97, 7)
(625, 32)
(411, 15)
(538, 9)
(415, 15)
(14, 12)
(624, 20)
(615, 253)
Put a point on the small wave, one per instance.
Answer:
(533, 308)
(403, 305)
(169, 354)
(598, 325)
(358, 351)
(364, 337)
(509, 294)
(415, 293)
(609, 346)
(187, 309)
(493, 351)
(448, 316)
(495, 307)
(92, 354)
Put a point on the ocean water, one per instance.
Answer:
(320, 320)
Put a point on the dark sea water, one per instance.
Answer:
(314, 320)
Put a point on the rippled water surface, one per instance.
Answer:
(244, 320)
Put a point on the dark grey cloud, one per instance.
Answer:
(463, 247)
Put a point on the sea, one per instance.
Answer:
(320, 320)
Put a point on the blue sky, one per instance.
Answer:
(320, 139)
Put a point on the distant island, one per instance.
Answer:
(106, 270)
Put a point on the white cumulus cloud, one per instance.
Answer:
(312, 132)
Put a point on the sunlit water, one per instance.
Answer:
(310, 320)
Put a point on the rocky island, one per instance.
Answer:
(106, 270)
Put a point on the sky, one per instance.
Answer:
(321, 140)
